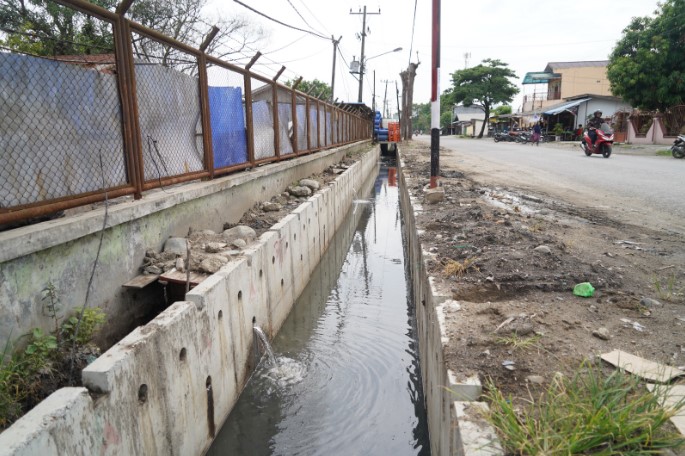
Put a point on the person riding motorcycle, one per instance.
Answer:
(593, 124)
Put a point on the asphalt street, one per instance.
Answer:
(634, 186)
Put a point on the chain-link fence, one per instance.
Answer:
(169, 113)
(226, 90)
(104, 107)
(60, 115)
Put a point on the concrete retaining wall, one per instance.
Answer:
(62, 251)
(455, 418)
(167, 387)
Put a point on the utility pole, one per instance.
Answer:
(361, 59)
(335, 53)
(385, 100)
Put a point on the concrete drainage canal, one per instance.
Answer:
(345, 375)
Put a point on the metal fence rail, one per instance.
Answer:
(132, 109)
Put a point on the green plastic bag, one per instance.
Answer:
(585, 289)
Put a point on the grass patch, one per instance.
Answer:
(589, 413)
(668, 289)
(664, 152)
(459, 268)
(518, 342)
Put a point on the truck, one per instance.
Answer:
(386, 133)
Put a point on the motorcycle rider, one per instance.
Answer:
(593, 124)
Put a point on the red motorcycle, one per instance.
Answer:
(605, 139)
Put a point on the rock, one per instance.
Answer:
(337, 171)
(239, 232)
(434, 195)
(601, 333)
(268, 206)
(177, 245)
(206, 232)
(149, 253)
(156, 270)
(311, 183)
(212, 264)
(299, 191)
(239, 243)
(180, 265)
(649, 302)
(543, 249)
(214, 247)
(537, 379)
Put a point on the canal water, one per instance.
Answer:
(347, 380)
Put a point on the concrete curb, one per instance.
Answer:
(455, 417)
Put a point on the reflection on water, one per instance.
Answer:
(347, 381)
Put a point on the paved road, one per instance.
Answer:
(637, 188)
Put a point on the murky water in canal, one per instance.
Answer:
(348, 378)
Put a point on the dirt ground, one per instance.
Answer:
(511, 259)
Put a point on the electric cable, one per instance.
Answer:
(279, 22)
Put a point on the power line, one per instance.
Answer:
(301, 17)
(279, 22)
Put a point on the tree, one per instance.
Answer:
(43, 27)
(317, 89)
(647, 66)
(484, 86)
(421, 116)
(501, 110)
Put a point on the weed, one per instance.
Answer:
(51, 304)
(39, 351)
(536, 227)
(664, 152)
(668, 291)
(588, 413)
(92, 321)
(518, 342)
(458, 269)
(30, 375)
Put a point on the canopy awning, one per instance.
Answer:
(554, 110)
(539, 77)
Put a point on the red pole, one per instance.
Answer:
(435, 97)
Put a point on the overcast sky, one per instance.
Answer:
(525, 34)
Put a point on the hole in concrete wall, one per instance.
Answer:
(301, 257)
(211, 427)
(221, 314)
(314, 239)
(304, 226)
(282, 282)
(295, 236)
(142, 393)
(273, 259)
(182, 355)
(286, 244)
(254, 320)
(240, 294)
(260, 273)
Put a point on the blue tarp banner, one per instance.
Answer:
(228, 126)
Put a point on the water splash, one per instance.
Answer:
(287, 372)
(266, 347)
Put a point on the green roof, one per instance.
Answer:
(539, 77)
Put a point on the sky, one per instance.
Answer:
(524, 34)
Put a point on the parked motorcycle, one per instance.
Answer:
(678, 147)
(603, 144)
(523, 137)
(504, 137)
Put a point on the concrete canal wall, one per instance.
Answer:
(455, 417)
(167, 387)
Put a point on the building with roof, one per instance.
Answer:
(564, 80)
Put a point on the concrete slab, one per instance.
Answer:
(674, 397)
(641, 367)
(474, 436)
